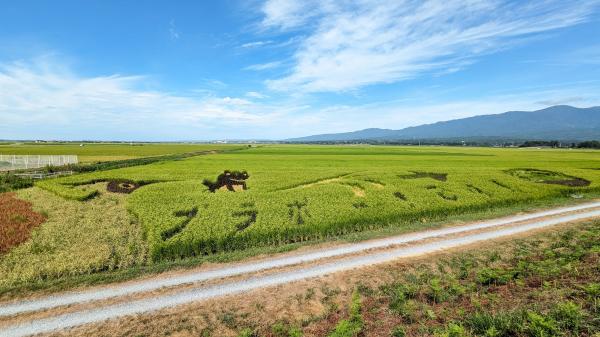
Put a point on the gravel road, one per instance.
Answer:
(370, 253)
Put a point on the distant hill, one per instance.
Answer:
(561, 122)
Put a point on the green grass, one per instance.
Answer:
(544, 285)
(353, 325)
(90, 152)
(301, 193)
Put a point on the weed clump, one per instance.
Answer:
(354, 324)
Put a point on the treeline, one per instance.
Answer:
(590, 144)
(543, 143)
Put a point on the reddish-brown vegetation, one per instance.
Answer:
(17, 219)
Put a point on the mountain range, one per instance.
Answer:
(560, 122)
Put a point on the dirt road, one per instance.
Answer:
(97, 304)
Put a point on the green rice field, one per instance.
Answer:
(299, 193)
(294, 195)
(92, 152)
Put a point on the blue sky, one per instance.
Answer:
(203, 70)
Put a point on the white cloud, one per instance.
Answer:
(351, 44)
(44, 99)
(289, 13)
(264, 66)
(45, 94)
(398, 114)
(173, 32)
(254, 94)
(255, 44)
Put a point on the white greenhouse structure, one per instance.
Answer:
(10, 162)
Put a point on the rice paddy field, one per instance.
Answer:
(165, 211)
(91, 152)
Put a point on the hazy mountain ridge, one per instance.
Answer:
(561, 122)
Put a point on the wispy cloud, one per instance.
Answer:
(46, 99)
(173, 32)
(255, 44)
(45, 92)
(254, 94)
(397, 114)
(561, 101)
(264, 66)
(289, 14)
(350, 44)
(587, 55)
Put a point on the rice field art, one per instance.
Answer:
(273, 195)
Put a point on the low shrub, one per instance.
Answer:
(487, 324)
(398, 332)
(539, 325)
(353, 325)
(10, 182)
(495, 276)
(568, 315)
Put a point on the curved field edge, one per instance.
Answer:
(143, 267)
